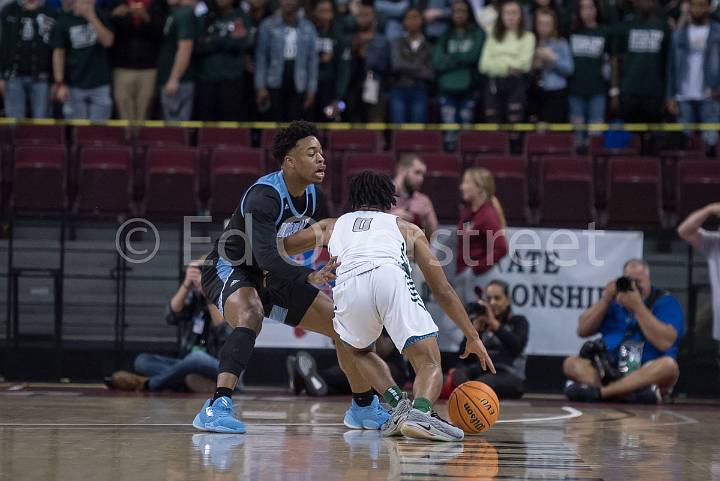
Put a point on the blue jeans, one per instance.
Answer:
(701, 111)
(90, 104)
(178, 107)
(19, 89)
(456, 109)
(169, 372)
(408, 104)
(586, 110)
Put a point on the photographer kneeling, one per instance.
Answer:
(641, 328)
(505, 336)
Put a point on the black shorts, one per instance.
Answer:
(284, 301)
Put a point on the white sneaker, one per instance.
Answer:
(397, 417)
(430, 426)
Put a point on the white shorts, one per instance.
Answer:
(384, 296)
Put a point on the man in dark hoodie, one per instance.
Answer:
(334, 63)
(26, 57)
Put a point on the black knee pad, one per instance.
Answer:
(236, 352)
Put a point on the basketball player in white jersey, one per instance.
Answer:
(374, 290)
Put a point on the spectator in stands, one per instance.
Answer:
(334, 64)
(411, 72)
(552, 65)
(590, 43)
(694, 72)
(481, 232)
(176, 69)
(708, 243)
(437, 19)
(81, 70)
(138, 29)
(370, 62)
(641, 329)
(220, 54)
(203, 333)
(392, 13)
(26, 57)
(303, 374)
(256, 11)
(286, 64)
(506, 60)
(455, 59)
(639, 65)
(412, 205)
(505, 335)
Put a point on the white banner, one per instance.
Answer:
(554, 275)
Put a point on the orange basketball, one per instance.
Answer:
(473, 407)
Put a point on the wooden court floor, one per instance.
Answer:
(64, 436)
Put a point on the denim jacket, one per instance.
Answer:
(555, 76)
(679, 52)
(269, 55)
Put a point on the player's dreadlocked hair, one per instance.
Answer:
(372, 189)
(285, 139)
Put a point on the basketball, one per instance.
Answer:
(473, 407)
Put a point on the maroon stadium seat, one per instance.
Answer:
(355, 163)
(39, 178)
(171, 183)
(210, 138)
(473, 143)
(698, 185)
(104, 181)
(233, 170)
(566, 192)
(88, 135)
(442, 185)
(214, 137)
(633, 191)
(510, 173)
(549, 144)
(25, 134)
(266, 138)
(350, 141)
(417, 141)
(163, 136)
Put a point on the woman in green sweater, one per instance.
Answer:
(506, 59)
(454, 59)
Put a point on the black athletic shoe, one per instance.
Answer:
(649, 395)
(582, 392)
(295, 382)
(307, 369)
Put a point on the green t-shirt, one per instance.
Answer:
(337, 69)
(219, 55)
(643, 45)
(455, 59)
(86, 60)
(589, 47)
(180, 25)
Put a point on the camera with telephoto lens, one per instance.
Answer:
(624, 284)
(596, 352)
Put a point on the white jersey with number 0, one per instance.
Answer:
(366, 239)
(374, 288)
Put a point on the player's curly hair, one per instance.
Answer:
(372, 189)
(285, 139)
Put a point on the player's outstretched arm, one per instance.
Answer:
(445, 295)
(316, 235)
